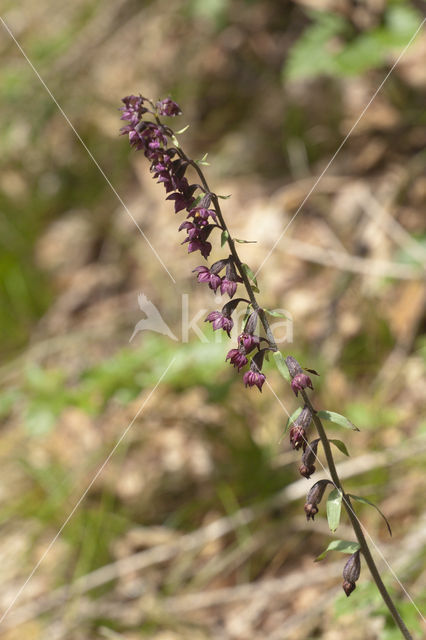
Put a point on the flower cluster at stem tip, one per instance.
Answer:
(169, 165)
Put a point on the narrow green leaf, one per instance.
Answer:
(249, 272)
(365, 501)
(175, 140)
(340, 445)
(182, 130)
(275, 313)
(334, 507)
(292, 418)
(197, 201)
(251, 276)
(344, 546)
(203, 164)
(245, 241)
(332, 416)
(224, 237)
(281, 365)
(224, 197)
(204, 157)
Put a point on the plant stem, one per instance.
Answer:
(320, 428)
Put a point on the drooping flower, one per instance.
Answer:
(237, 357)
(199, 245)
(254, 377)
(133, 109)
(204, 275)
(220, 321)
(231, 279)
(248, 341)
(299, 380)
(167, 107)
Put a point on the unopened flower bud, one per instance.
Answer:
(299, 380)
(307, 466)
(314, 497)
(298, 429)
(351, 572)
(293, 366)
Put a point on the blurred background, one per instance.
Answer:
(194, 529)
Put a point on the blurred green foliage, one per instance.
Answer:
(331, 46)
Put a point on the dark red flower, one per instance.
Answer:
(237, 358)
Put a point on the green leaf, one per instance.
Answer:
(175, 140)
(311, 56)
(197, 201)
(365, 501)
(224, 197)
(245, 241)
(292, 418)
(281, 365)
(224, 237)
(337, 418)
(340, 445)
(275, 313)
(344, 546)
(182, 131)
(334, 507)
(249, 273)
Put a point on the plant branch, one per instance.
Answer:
(318, 424)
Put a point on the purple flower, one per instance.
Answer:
(202, 213)
(181, 201)
(237, 358)
(133, 109)
(248, 341)
(229, 287)
(229, 282)
(191, 229)
(167, 107)
(199, 245)
(301, 381)
(220, 321)
(254, 378)
(204, 274)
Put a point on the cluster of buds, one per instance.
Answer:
(169, 165)
(352, 568)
